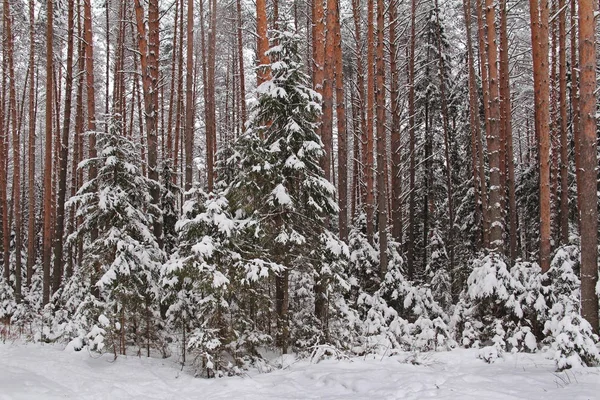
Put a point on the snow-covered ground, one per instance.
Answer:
(33, 371)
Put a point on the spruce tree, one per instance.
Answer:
(124, 260)
(281, 185)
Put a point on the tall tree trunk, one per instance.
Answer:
(494, 145)
(31, 233)
(360, 137)
(539, 37)
(179, 100)
(381, 142)
(411, 148)
(575, 98)
(47, 246)
(16, 147)
(588, 162)
(241, 69)
(506, 121)
(328, 83)
(172, 106)
(564, 155)
(107, 66)
(446, 127)
(340, 113)
(189, 100)
(368, 163)
(483, 68)
(148, 48)
(395, 141)
(3, 174)
(211, 122)
(64, 156)
(479, 183)
(91, 111)
(262, 44)
(76, 176)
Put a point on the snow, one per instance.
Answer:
(280, 193)
(34, 371)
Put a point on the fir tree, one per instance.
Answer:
(124, 260)
(280, 183)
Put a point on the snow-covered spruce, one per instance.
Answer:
(400, 316)
(570, 336)
(498, 307)
(122, 256)
(515, 309)
(280, 185)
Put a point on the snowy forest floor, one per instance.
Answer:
(34, 371)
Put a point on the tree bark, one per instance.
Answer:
(588, 163)
(395, 142)
(360, 138)
(31, 233)
(262, 44)
(539, 37)
(241, 70)
(575, 99)
(483, 67)
(172, 106)
(328, 83)
(148, 44)
(91, 111)
(47, 246)
(16, 147)
(446, 127)
(564, 155)
(211, 123)
(479, 183)
(189, 100)
(64, 157)
(506, 121)
(411, 148)
(340, 112)
(494, 145)
(381, 142)
(368, 163)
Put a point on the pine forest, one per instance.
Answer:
(218, 181)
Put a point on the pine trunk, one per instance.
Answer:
(479, 183)
(539, 36)
(494, 140)
(446, 127)
(16, 147)
(47, 246)
(327, 90)
(506, 121)
(262, 44)
(564, 151)
(411, 148)
(368, 163)
(64, 157)
(241, 69)
(340, 113)
(189, 100)
(395, 142)
(483, 68)
(31, 233)
(148, 46)
(381, 142)
(588, 163)
(360, 138)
